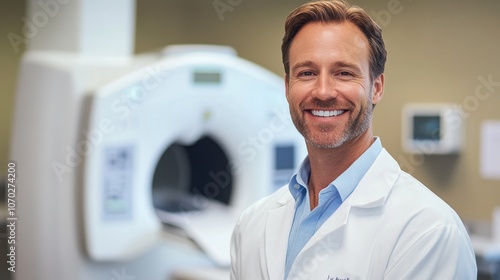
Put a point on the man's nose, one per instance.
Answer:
(325, 87)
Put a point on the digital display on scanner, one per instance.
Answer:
(207, 77)
(426, 128)
(285, 157)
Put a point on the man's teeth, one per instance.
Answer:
(321, 113)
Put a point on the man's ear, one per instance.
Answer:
(378, 88)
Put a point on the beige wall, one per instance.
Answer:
(437, 51)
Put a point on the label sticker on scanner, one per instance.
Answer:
(117, 183)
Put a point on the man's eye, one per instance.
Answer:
(345, 73)
(306, 73)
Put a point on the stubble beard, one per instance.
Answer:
(356, 126)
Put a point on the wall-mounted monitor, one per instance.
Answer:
(432, 128)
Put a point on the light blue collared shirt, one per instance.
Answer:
(307, 222)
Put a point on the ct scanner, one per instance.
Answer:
(136, 166)
(211, 131)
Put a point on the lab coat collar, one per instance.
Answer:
(375, 186)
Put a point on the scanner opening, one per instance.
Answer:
(187, 174)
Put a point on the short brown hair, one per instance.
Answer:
(336, 11)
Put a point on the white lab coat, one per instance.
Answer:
(390, 227)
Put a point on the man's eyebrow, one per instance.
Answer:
(344, 64)
(306, 63)
(339, 64)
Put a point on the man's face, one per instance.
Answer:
(329, 88)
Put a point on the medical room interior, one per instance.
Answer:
(134, 132)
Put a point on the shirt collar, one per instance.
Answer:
(346, 182)
(300, 179)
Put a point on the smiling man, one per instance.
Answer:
(349, 212)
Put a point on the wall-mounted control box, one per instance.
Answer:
(432, 128)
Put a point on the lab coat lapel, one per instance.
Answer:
(331, 231)
(328, 238)
(279, 222)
